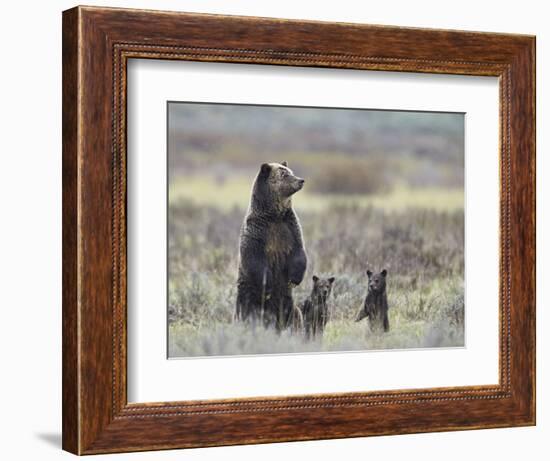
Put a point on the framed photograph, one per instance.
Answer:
(281, 230)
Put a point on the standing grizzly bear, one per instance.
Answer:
(376, 303)
(315, 309)
(272, 258)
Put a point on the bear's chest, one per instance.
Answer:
(375, 303)
(279, 241)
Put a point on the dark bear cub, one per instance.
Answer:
(376, 303)
(315, 308)
(272, 258)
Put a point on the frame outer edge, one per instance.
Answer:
(90, 423)
(534, 212)
(70, 179)
(523, 233)
(533, 180)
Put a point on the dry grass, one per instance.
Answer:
(422, 249)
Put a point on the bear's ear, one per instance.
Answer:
(315, 279)
(331, 280)
(369, 273)
(384, 272)
(265, 169)
(284, 163)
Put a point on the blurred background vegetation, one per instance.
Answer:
(383, 189)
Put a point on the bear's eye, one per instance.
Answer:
(284, 173)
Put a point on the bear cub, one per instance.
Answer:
(272, 257)
(376, 303)
(315, 309)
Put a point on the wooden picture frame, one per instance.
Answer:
(97, 43)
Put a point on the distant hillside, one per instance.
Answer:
(427, 147)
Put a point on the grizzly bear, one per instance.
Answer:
(376, 303)
(315, 309)
(272, 258)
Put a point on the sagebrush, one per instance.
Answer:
(422, 249)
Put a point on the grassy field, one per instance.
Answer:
(417, 234)
(235, 192)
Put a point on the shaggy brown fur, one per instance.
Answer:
(376, 303)
(272, 255)
(315, 309)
